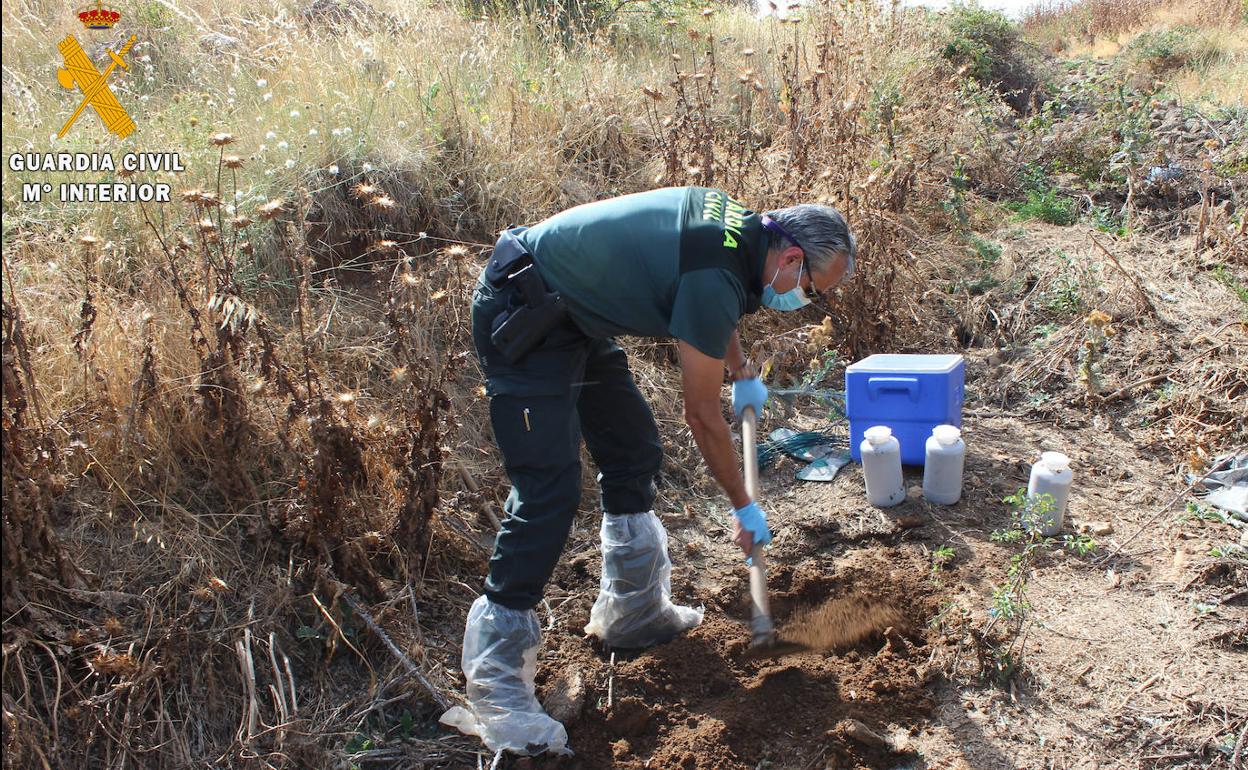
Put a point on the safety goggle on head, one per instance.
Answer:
(772, 225)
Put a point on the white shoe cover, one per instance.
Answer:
(500, 667)
(634, 607)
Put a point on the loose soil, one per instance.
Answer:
(700, 702)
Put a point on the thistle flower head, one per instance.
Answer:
(271, 209)
(1098, 319)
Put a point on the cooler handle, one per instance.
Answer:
(878, 385)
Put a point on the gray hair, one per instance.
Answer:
(821, 233)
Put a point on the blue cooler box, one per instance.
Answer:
(909, 393)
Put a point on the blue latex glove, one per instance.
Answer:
(748, 392)
(752, 518)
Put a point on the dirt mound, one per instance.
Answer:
(700, 702)
(843, 622)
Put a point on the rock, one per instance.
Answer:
(852, 728)
(567, 696)
(1100, 528)
(910, 520)
(218, 41)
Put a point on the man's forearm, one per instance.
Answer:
(734, 357)
(715, 442)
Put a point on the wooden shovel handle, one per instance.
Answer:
(749, 451)
(762, 630)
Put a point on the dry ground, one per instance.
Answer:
(1134, 655)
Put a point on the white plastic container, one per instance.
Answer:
(881, 465)
(1052, 476)
(942, 471)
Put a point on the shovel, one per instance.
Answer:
(763, 639)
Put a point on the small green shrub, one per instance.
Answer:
(1048, 206)
(1107, 220)
(991, 49)
(987, 251)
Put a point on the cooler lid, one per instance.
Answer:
(906, 362)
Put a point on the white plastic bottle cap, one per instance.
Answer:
(878, 434)
(946, 434)
(1054, 461)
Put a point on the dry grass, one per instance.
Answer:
(1105, 29)
(1065, 23)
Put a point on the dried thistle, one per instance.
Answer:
(221, 139)
(232, 161)
(107, 663)
(272, 209)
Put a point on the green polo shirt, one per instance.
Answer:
(680, 262)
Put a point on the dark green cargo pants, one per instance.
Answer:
(570, 386)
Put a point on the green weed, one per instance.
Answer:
(1064, 297)
(1010, 607)
(1107, 220)
(1223, 275)
(1198, 511)
(955, 202)
(1047, 206)
(987, 251)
